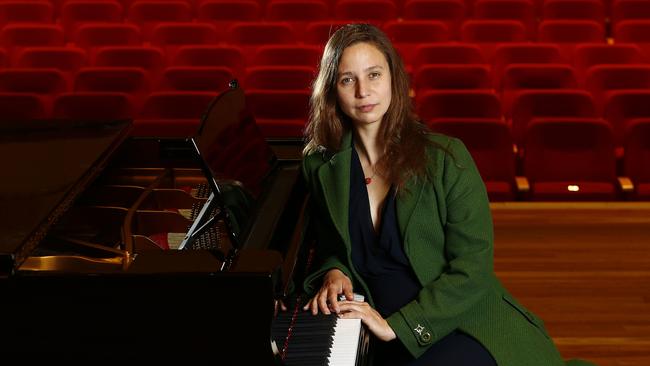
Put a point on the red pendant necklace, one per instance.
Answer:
(369, 179)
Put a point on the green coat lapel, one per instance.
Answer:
(334, 178)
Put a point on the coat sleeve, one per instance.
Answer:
(327, 254)
(468, 243)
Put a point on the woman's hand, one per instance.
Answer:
(335, 283)
(369, 316)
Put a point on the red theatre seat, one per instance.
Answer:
(629, 10)
(31, 35)
(569, 33)
(93, 106)
(279, 77)
(518, 77)
(448, 53)
(231, 57)
(491, 146)
(530, 104)
(172, 114)
(196, 78)
(149, 58)
(574, 10)
(634, 31)
(588, 55)
(317, 33)
(285, 55)
(407, 35)
(225, 12)
(288, 121)
(148, 13)
(26, 12)
(637, 157)
(434, 104)
(371, 11)
(452, 76)
(23, 106)
(131, 80)
(570, 160)
(250, 36)
(622, 106)
(601, 79)
(519, 10)
(37, 81)
(525, 53)
(75, 13)
(91, 35)
(62, 58)
(488, 33)
(297, 10)
(450, 12)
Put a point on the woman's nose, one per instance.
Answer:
(361, 89)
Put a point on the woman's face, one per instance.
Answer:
(363, 84)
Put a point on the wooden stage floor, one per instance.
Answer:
(585, 269)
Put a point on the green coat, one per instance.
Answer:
(447, 232)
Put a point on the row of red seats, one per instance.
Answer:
(255, 33)
(128, 88)
(561, 159)
(528, 11)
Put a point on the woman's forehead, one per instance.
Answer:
(361, 55)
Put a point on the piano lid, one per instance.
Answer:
(46, 165)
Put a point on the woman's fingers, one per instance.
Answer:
(322, 303)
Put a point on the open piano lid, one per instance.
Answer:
(46, 165)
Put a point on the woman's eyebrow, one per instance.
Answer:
(367, 69)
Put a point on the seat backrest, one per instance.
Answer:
(196, 78)
(569, 149)
(530, 104)
(26, 12)
(23, 106)
(131, 80)
(280, 77)
(90, 35)
(452, 76)
(176, 105)
(637, 151)
(433, 104)
(93, 105)
(622, 106)
(29, 80)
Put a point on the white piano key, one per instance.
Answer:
(345, 342)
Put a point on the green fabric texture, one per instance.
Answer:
(447, 232)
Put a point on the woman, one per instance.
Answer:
(401, 215)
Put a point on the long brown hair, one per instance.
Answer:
(401, 133)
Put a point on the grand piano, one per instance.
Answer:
(115, 248)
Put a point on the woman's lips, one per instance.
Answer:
(367, 108)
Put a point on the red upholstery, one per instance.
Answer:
(518, 77)
(148, 13)
(621, 106)
(570, 159)
(451, 12)
(91, 35)
(570, 33)
(433, 104)
(131, 80)
(172, 114)
(226, 56)
(176, 34)
(148, 58)
(452, 76)
(407, 35)
(297, 10)
(31, 35)
(279, 77)
(525, 53)
(228, 11)
(491, 146)
(317, 33)
(630, 9)
(489, 33)
(78, 12)
(588, 55)
(261, 33)
(37, 81)
(574, 10)
(288, 121)
(371, 11)
(518, 10)
(447, 53)
(197, 78)
(23, 106)
(601, 79)
(637, 157)
(26, 12)
(529, 104)
(636, 31)
(93, 106)
(61, 58)
(287, 55)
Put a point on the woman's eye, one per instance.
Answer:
(374, 75)
(346, 81)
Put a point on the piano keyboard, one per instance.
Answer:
(305, 339)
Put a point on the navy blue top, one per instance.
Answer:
(379, 257)
(380, 260)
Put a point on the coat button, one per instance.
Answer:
(426, 337)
